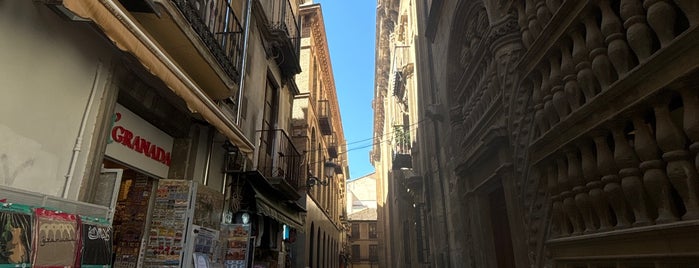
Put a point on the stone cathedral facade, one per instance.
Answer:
(552, 133)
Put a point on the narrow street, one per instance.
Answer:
(220, 133)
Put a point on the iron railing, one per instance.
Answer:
(281, 17)
(278, 157)
(324, 117)
(219, 29)
(331, 145)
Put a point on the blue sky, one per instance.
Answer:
(351, 27)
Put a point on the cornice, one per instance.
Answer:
(319, 47)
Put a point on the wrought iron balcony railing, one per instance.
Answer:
(278, 158)
(219, 28)
(331, 145)
(401, 147)
(324, 117)
(284, 28)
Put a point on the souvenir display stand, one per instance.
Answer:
(46, 231)
(181, 207)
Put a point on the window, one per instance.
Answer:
(356, 253)
(372, 230)
(355, 231)
(373, 252)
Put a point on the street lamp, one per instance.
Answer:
(329, 171)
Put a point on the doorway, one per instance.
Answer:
(131, 214)
(500, 227)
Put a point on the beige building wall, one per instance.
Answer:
(361, 193)
(324, 243)
(364, 239)
(49, 69)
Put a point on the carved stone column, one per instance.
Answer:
(681, 172)
(560, 102)
(609, 171)
(613, 31)
(538, 100)
(588, 82)
(569, 207)
(661, 17)
(630, 174)
(542, 13)
(582, 200)
(601, 66)
(570, 81)
(558, 218)
(549, 110)
(691, 9)
(594, 184)
(527, 38)
(534, 25)
(654, 179)
(638, 33)
(690, 124)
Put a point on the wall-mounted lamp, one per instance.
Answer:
(329, 171)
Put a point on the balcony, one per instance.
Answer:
(280, 163)
(282, 30)
(331, 145)
(205, 42)
(324, 117)
(401, 148)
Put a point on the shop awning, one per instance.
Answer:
(279, 211)
(127, 35)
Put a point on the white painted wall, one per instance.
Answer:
(47, 70)
(361, 191)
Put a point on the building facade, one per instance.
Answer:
(552, 134)
(193, 92)
(361, 193)
(364, 244)
(317, 132)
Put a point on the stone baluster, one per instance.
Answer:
(543, 14)
(601, 66)
(538, 99)
(560, 102)
(565, 187)
(534, 24)
(661, 17)
(609, 171)
(549, 110)
(690, 9)
(630, 174)
(638, 33)
(595, 185)
(553, 5)
(582, 200)
(587, 80)
(655, 181)
(617, 49)
(690, 123)
(683, 175)
(561, 226)
(524, 25)
(570, 82)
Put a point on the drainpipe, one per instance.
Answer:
(440, 173)
(81, 132)
(248, 12)
(210, 150)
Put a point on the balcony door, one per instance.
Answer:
(269, 122)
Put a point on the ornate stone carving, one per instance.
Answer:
(638, 34)
(654, 179)
(661, 17)
(630, 174)
(681, 172)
